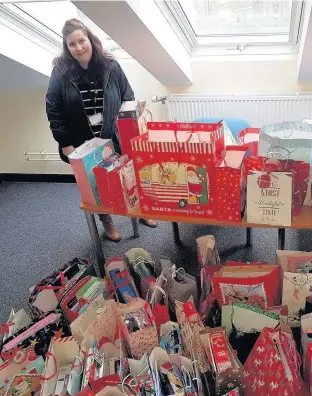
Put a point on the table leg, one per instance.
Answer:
(176, 233)
(281, 238)
(248, 237)
(96, 243)
(135, 226)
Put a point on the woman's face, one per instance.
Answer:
(79, 47)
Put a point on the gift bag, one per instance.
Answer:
(258, 284)
(61, 358)
(231, 190)
(296, 288)
(249, 137)
(83, 160)
(120, 282)
(292, 140)
(16, 321)
(294, 261)
(272, 368)
(117, 187)
(47, 293)
(226, 369)
(178, 176)
(138, 327)
(38, 335)
(190, 326)
(159, 302)
(269, 198)
(132, 122)
(207, 251)
(24, 363)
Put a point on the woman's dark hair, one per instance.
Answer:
(65, 62)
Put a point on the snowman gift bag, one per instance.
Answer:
(175, 167)
(83, 160)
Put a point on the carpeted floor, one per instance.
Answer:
(42, 227)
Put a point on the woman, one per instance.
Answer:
(86, 90)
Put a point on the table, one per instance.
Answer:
(302, 221)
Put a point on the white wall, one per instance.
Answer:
(24, 125)
(23, 120)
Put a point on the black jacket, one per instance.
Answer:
(65, 111)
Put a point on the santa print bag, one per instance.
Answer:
(256, 284)
(272, 368)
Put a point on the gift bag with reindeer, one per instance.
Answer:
(296, 288)
(272, 368)
(175, 168)
(83, 160)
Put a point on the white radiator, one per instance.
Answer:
(258, 110)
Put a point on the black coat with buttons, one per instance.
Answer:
(64, 106)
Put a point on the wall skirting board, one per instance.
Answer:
(25, 177)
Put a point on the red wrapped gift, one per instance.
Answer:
(248, 283)
(231, 192)
(176, 173)
(272, 368)
(117, 188)
(299, 170)
(249, 137)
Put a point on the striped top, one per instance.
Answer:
(92, 97)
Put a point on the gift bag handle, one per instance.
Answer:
(48, 355)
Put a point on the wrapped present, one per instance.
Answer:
(292, 140)
(47, 293)
(306, 345)
(225, 366)
(258, 284)
(272, 368)
(37, 335)
(231, 191)
(296, 288)
(207, 251)
(249, 137)
(83, 160)
(269, 198)
(159, 302)
(117, 185)
(170, 338)
(177, 174)
(299, 171)
(132, 122)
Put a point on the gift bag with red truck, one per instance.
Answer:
(175, 168)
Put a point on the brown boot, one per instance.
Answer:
(111, 232)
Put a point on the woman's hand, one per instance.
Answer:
(68, 150)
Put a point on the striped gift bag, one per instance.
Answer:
(175, 165)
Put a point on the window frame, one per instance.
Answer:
(232, 44)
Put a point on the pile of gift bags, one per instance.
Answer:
(146, 328)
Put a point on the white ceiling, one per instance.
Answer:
(14, 76)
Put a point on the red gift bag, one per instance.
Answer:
(117, 188)
(131, 122)
(249, 137)
(177, 176)
(272, 368)
(259, 283)
(300, 173)
(231, 192)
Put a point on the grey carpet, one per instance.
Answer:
(42, 228)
